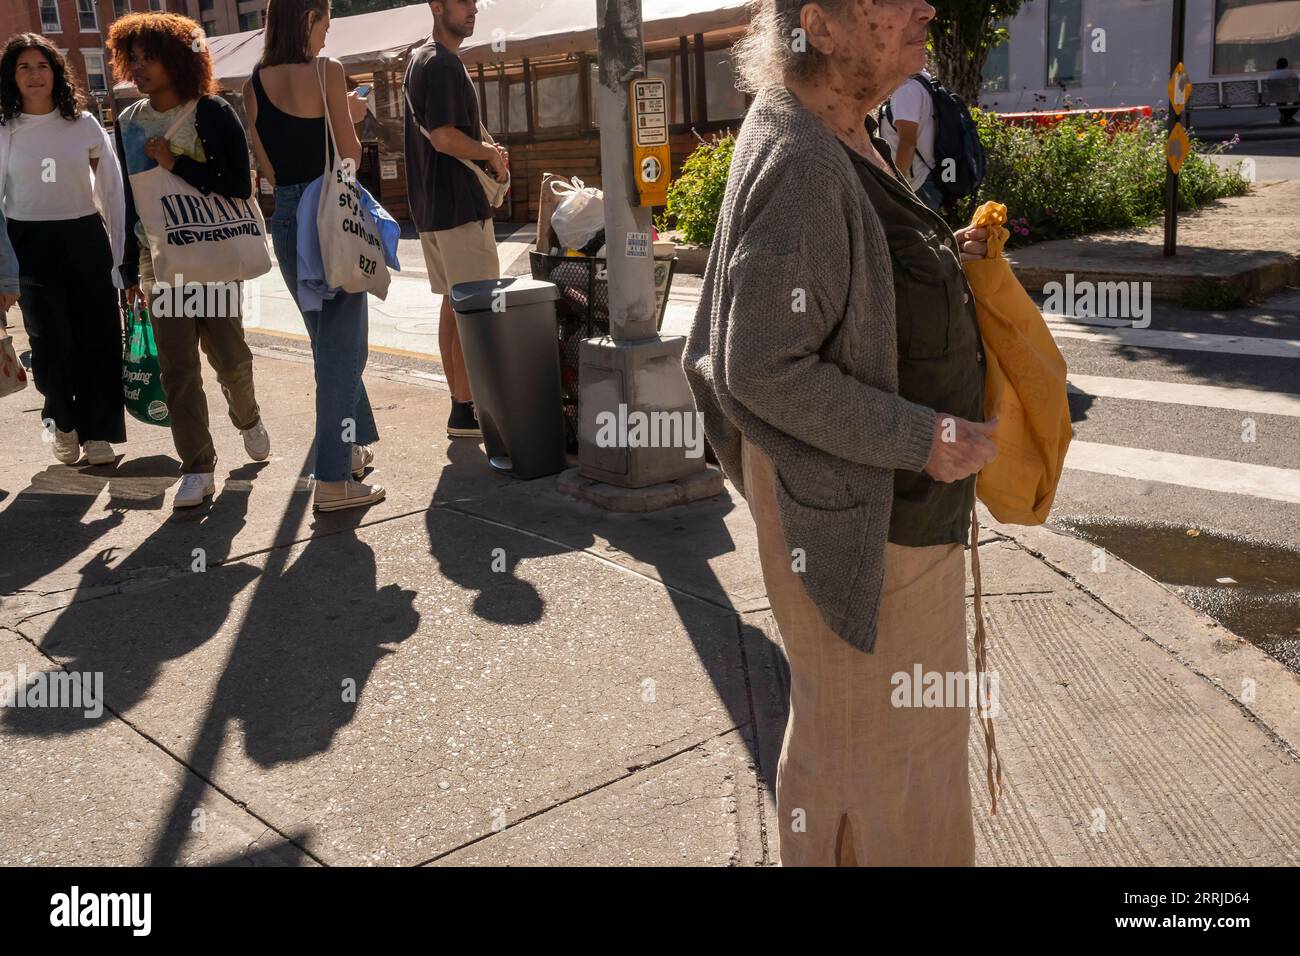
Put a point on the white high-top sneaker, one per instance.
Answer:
(362, 456)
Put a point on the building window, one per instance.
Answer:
(50, 16)
(158, 6)
(87, 16)
(1250, 35)
(996, 76)
(250, 21)
(206, 5)
(555, 97)
(210, 28)
(1064, 42)
(490, 106)
(96, 76)
(723, 100)
(517, 110)
(121, 7)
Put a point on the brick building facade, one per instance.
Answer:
(78, 28)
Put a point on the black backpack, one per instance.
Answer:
(956, 138)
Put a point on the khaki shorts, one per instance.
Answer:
(467, 253)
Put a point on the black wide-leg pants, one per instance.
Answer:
(70, 310)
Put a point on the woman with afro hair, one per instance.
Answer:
(182, 127)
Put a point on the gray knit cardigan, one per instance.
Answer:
(795, 346)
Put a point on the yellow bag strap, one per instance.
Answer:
(981, 668)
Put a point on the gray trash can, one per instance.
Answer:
(508, 335)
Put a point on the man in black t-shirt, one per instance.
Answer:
(447, 202)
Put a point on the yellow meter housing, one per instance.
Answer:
(651, 157)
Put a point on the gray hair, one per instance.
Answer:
(768, 54)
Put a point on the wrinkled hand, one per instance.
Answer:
(7, 301)
(498, 163)
(973, 242)
(959, 448)
(160, 151)
(357, 106)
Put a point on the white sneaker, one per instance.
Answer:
(99, 453)
(193, 489)
(362, 456)
(257, 442)
(66, 447)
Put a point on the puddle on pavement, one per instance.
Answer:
(1252, 589)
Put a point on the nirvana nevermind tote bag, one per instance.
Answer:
(195, 237)
(351, 248)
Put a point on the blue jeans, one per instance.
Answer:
(339, 346)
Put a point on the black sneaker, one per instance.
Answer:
(462, 422)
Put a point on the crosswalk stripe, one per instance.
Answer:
(1189, 471)
(1187, 341)
(1249, 400)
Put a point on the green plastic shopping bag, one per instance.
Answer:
(142, 389)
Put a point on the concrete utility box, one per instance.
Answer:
(654, 427)
(508, 334)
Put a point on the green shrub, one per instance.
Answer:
(1087, 174)
(695, 198)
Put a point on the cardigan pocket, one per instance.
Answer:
(924, 291)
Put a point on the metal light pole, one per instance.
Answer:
(633, 372)
(1171, 177)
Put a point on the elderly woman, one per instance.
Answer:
(838, 364)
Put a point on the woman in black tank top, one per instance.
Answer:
(291, 152)
(295, 145)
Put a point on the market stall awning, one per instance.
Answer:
(506, 31)
(1260, 23)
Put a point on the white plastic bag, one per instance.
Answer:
(580, 214)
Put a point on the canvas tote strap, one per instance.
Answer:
(181, 118)
(981, 668)
(331, 148)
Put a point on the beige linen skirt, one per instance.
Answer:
(862, 782)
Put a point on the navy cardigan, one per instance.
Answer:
(227, 171)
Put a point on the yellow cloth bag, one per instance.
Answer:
(1024, 386)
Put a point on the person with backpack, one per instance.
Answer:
(934, 141)
(185, 129)
(62, 198)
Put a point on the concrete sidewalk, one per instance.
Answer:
(482, 671)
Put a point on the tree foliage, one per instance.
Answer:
(961, 36)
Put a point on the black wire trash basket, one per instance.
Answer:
(582, 312)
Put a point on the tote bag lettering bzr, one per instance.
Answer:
(195, 237)
(351, 247)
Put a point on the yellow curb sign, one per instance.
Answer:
(651, 156)
(1177, 147)
(1180, 89)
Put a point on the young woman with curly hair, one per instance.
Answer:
(62, 199)
(182, 127)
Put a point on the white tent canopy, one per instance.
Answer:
(506, 30)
